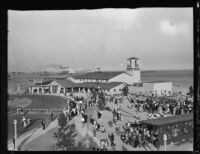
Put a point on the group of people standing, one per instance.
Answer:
(136, 135)
(161, 105)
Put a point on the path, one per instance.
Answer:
(40, 132)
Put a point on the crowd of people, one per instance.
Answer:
(136, 135)
(161, 105)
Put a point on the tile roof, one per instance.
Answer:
(105, 86)
(169, 120)
(44, 82)
(99, 75)
(65, 83)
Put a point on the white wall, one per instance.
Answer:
(146, 87)
(122, 78)
(117, 91)
(162, 86)
(136, 76)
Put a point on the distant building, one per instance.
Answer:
(130, 76)
(156, 87)
(110, 82)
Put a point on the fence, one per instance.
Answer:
(34, 111)
(42, 111)
(55, 111)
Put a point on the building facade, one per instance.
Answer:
(158, 88)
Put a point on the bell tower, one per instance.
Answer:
(133, 69)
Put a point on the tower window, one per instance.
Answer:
(136, 64)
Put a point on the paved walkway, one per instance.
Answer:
(84, 131)
(40, 132)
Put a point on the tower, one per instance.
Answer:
(133, 68)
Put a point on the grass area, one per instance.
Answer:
(46, 102)
(35, 122)
(16, 102)
(38, 102)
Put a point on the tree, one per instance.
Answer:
(101, 104)
(65, 137)
(62, 120)
(125, 90)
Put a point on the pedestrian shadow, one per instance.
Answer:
(124, 148)
(83, 146)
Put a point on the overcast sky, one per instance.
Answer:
(86, 39)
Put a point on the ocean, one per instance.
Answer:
(181, 79)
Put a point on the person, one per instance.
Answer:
(28, 121)
(14, 142)
(112, 137)
(43, 124)
(98, 114)
(23, 121)
(51, 116)
(82, 121)
(22, 109)
(94, 131)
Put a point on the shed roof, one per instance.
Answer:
(169, 120)
(132, 58)
(99, 75)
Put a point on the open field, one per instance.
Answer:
(45, 101)
(16, 103)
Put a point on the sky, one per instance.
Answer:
(162, 38)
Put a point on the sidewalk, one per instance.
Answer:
(40, 132)
(84, 130)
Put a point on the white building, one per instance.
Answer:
(64, 87)
(111, 82)
(157, 88)
(130, 76)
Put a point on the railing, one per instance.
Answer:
(55, 110)
(34, 111)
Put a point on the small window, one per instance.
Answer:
(120, 89)
(114, 90)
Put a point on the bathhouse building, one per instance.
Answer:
(111, 82)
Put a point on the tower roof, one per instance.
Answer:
(132, 58)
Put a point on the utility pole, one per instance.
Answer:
(165, 141)
(15, 134)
